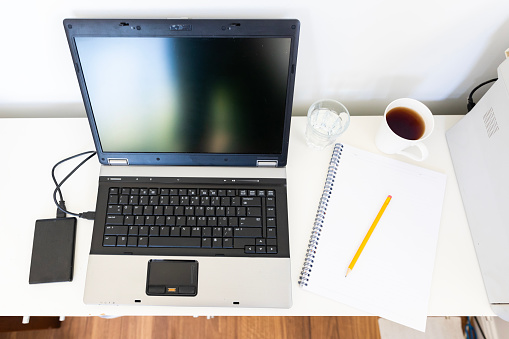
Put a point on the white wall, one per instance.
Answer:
(364, 53)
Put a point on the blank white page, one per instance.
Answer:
(392, 277)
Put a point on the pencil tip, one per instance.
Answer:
(348, 271)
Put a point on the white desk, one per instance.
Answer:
(30, 147)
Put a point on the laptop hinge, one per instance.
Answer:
(118, 162)
(266, 163)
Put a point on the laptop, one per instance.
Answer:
(478, 146)
(191, 123)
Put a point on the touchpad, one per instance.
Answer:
(172, 277)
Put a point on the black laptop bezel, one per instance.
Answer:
(287, 28)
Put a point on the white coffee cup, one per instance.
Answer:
(406, 124)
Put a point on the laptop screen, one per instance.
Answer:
(192, 95)
(188, 96)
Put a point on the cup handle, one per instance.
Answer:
(421, 147)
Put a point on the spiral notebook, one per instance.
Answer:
(392, 277)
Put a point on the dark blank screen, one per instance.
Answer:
(187, 95)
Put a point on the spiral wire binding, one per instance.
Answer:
(320, 215)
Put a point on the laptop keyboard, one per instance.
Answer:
(195, 218)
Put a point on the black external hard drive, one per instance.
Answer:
(53, 250)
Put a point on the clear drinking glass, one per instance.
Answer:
(327, 119)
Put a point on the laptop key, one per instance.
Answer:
(115, 209)
(247, 232)
(261, 249)
(164, 231)
(115, 230)
(185, 231)
(227, 232)
(129, 220)
(254, 211)
(150, 220)
(144, 200)
(175, 231)
(251, 201)
(113, 200)
(143, 241)
(122, 241)
(110, 240)
(115, 220)
(227, 243)
(138, 210)
(271, 233)
(196, 231)
(154, 231)
(206, 242)
(171, 221)
(250, 222)
(127, 210)
(235, 201)
(148, 210)
(181, 221)
(217, 242)
(123, 200)
(206, 231)
(134, 200)
(271, 212)
(174, 242)
(222, 221)
(143, 230)
(217, 231)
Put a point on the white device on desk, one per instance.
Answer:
(479, 147)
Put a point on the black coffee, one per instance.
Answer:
(406, 123)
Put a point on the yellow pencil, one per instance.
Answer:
(366, 238)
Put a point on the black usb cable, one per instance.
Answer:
(471, 103)
(61, 208)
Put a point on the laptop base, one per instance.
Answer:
(222, 282)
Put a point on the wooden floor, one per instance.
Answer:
(203, 328)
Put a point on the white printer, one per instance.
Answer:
(479, 147)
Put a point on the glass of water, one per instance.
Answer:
(327, 119)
